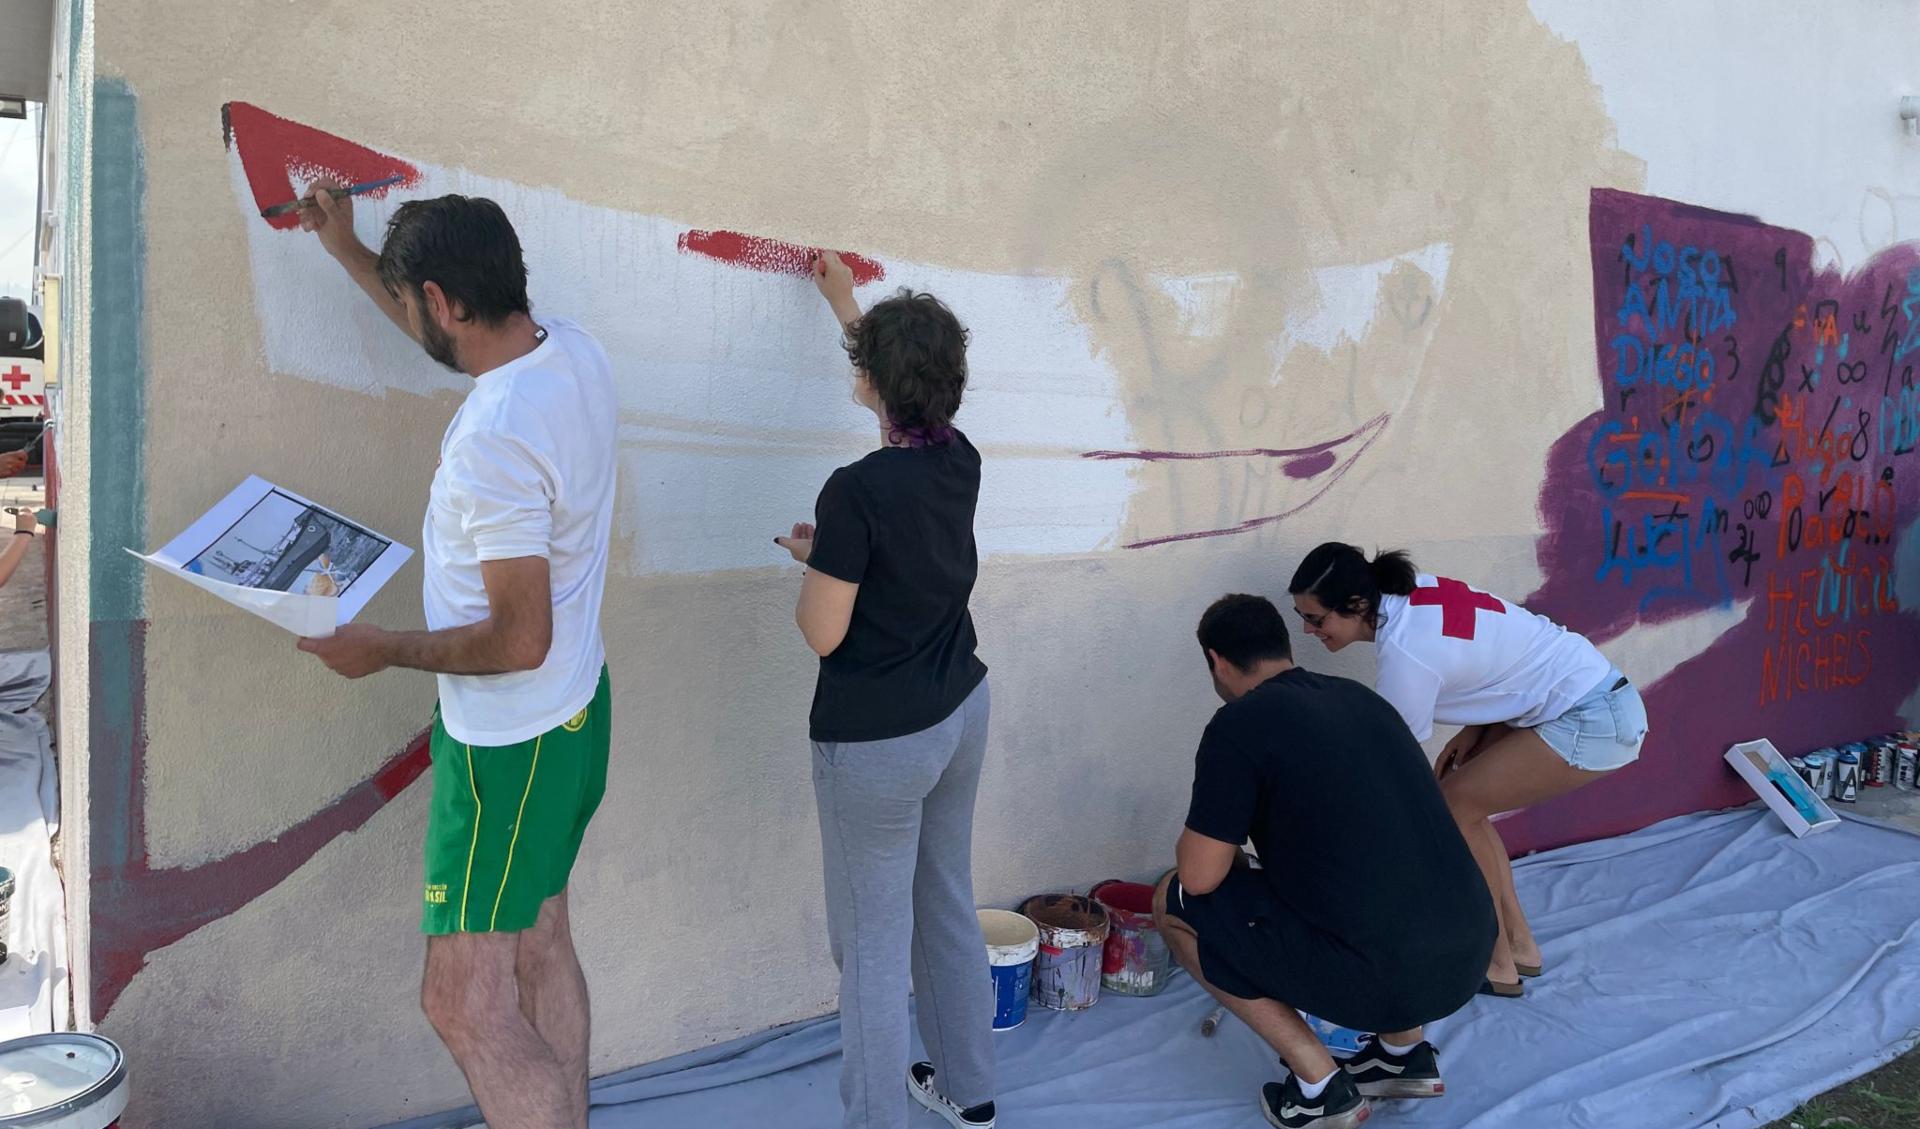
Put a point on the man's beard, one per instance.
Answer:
(438, 343)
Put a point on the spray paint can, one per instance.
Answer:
(1846, 780)
(1883, 754)
(1820, 775)
(1869, 761)
(1799, 767)
(1904, 767)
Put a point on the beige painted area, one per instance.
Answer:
(1114, 145)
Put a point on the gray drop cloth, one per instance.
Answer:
(1710, 970)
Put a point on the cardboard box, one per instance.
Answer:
(1747, 759)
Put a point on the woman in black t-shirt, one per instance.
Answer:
(899, 723)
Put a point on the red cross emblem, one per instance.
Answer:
(1458, 603)
(15, 377)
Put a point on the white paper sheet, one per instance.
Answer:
(288, 560)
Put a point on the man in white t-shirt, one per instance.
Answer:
(515, 548)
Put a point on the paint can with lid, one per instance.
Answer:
(1846, 777)
(1136, 961)
(1820, 774)
(68, 1080)
(1012, 943)
(1073, 941)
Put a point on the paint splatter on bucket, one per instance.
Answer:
(62, 1081)
(1073, 938)
(1136, 961)
(1012, 943)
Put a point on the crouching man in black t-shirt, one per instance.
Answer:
(1368, 911)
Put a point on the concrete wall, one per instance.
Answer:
(1343, 249)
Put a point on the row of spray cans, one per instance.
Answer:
(1839, 773)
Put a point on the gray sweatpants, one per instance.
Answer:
(896, 829)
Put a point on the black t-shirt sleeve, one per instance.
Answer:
(1225, 789)
(842, 531)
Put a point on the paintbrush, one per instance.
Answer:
(308, 201)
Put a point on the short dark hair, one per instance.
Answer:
(1245, 630)
(915, 352)
(1342, 578)
(466, 245)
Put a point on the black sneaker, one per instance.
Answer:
(920, 1085)
(1339, 1106)
(1377, 1073)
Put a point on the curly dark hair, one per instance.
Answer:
(915, 352)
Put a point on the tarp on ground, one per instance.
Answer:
(1710, 970)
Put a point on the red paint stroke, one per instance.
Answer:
(273, 149)
(138, 909)
(771, 255)
(1325, 455)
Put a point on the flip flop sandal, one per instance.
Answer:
(1530, 971)
(1505, 991)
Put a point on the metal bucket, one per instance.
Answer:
(1073, 938)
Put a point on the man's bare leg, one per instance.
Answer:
(553, 995)
(470, 997)
(1275, 1022)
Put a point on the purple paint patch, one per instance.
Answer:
(1310, 465)
(1755, 451)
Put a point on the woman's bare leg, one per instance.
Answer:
(1516, 770)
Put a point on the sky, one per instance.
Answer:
(18, 160)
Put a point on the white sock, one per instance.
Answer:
(1396, 1049)
(1311, 1090)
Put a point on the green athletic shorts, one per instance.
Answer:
(507, 820)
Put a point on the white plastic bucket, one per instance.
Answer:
(1012, 943)
(64, 1081)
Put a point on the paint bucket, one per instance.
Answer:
(1135, 961)
(62, 1081)
(1012, 943)
(1073, 940)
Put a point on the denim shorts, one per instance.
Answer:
(1603, 730)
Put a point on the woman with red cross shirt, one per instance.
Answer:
(1543, 710)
